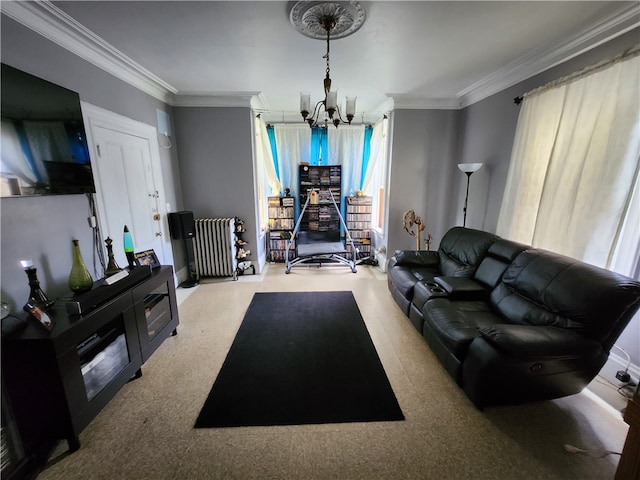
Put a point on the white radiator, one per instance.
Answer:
(214, 247)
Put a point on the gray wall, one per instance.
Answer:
(42, 228)
(423, 166)
(216, 166)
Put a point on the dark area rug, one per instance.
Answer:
(300, 358)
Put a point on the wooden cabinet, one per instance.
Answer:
(57, 382)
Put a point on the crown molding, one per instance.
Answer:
(52, 23)
(217, 99)
(410, 102)
(625, 18)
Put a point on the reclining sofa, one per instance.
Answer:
(511, 323)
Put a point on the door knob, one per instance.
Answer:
(158, 234)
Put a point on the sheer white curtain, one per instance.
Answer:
(346, 146)
(572, 185)
(267, 180)
(13, 161)
(48, 142)
(374, 182)
(377, 155)
(293, 144)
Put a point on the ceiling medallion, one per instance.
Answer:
(306, 16)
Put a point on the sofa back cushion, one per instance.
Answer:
(462, 249)
(499, 256)
(544, 288)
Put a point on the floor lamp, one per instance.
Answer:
(468, 169)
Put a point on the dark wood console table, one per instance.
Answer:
(57, 382)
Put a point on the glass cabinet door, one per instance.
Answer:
(157, 310)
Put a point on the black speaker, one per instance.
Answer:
(181, 225)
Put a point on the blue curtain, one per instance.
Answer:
(274, 151)
(319, 147)
(366, 152)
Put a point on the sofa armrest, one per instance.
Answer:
(526, 341)
(462, 288)
(418, 258)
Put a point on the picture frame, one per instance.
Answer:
(147, 257)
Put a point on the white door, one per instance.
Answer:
(127, 190)
(125, 157)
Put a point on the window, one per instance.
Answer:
(572, 185)
(375, 179)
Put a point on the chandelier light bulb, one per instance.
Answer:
(305, 104)
(332, 102)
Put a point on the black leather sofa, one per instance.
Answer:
(511, 323)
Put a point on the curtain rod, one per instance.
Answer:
(626, 54)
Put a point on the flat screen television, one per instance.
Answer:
(44, 147)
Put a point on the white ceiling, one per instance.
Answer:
(421, 54)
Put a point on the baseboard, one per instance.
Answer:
(382, 261)
(182, 274)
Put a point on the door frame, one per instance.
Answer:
(93, 117)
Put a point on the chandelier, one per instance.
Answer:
(322, 20)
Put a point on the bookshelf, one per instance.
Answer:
(359, 224)
(281, 224)
(320, 217)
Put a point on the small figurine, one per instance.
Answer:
(287, 192)
(112, 266)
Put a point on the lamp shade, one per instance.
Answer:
(305, 102)
(469, 167)
(351, 106)
(332, 100)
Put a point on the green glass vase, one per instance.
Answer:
(79, 279)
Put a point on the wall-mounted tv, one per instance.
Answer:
(44, 147)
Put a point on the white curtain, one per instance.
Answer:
(48, 142)
(267, 182)
(267, 160)
(13, 161)
(572, 185)
(346, 146)
(377, 155)
(293, 144)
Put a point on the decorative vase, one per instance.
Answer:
(79, 279)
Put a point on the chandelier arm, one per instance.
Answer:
(312, 120)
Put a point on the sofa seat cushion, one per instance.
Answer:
(457, 323)
(538, 342)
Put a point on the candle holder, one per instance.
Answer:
(36, 296)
